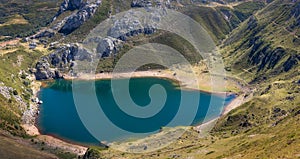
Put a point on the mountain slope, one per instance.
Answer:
(267, 44)
(264, 52)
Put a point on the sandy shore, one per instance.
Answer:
(193, 79)
(235, 103)
(99, 76)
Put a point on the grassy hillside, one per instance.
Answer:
(264, 52)
(218, 21)
(13, 148)
(11, 66)
(23, 18)
(267, 44)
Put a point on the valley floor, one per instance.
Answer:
(201, 82)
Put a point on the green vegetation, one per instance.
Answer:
(37, 14)
(162, 37)
(93, 152)
(245, 10)
(11, 147)
(261, 48)
(212, 19)
(10, 66)
(263, 40)
(265, 55)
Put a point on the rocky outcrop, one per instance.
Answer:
(43, 71)
(60, 61)
(85, 10)
(69, 5)
(9, 92)
(132, 24)
(291, 62)
(141, 3)
(6, 91)
(107, 47)
(75, 20)
(91, 154)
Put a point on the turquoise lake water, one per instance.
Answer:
(58, 114)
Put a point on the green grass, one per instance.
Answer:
(9, 74)
(14, 148)
(161, 37)
(37, 13)
(269, 48)
(244, 10)
(267, 133)
(211, 19)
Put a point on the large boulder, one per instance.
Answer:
(107, 47)
(43, 71)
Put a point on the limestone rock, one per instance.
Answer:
(133, 23)
(74, 21)
(69, 5)
(107, 47)
(141, 3)
(61, 60)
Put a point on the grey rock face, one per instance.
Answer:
(152, 3)
(43, 71)
(132, 23)
(85, 11)
(107, 47)
(75, 20)
(61, 60)
(5, 91)
(141, 3)
(69, 5)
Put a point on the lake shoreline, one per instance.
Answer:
(163, 74)
(78, 149)
(32, 128)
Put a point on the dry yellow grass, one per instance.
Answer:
(15, 19)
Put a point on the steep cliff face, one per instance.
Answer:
(267, 43)
(82, 11)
